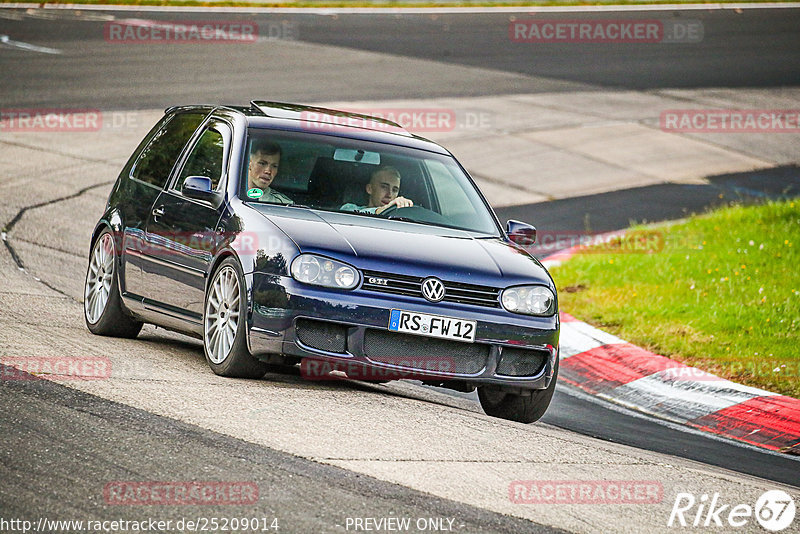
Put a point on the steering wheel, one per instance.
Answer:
(415, 214)
(388, 212)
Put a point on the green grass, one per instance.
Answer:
(719, 291)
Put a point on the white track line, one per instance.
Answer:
(7, 41)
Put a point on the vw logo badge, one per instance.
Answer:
(433, 289)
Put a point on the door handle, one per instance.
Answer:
(158, 212)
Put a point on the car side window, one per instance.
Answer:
(207, 157)
(157, 159)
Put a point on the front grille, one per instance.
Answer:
(399, 284)
(522, 362)
(322, 335)
(425, 353)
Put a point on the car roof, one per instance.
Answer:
(325, 121)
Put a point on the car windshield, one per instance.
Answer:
(330, 173)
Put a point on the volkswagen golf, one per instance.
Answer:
(339, 242)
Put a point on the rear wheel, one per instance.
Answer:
(515, 407)
(224, 325)
(102, 304)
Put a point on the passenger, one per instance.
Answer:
(265, 157)
(383, 188)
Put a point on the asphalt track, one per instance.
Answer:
(739, 50)
(122, 443)
(751, 48)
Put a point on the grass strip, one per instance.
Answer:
(384, 3)
(719, 291)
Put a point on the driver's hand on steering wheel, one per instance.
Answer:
(399, 202)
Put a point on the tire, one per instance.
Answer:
(225, 323)
(102, 304)
(520, 408)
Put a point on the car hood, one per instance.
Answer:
(408, 248)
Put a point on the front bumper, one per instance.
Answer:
(349, 330)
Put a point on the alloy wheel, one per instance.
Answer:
(222, 314)
(99, 279)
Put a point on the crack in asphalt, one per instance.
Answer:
(49, 247)
(9, 226)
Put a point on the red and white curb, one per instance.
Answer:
(610, 368)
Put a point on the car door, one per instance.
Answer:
(148, 175)
(181, 232)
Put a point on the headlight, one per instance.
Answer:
(530, 300)
(319, 271)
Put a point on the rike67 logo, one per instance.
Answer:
(774, 511)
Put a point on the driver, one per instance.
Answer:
(265, 157)
(383, 188)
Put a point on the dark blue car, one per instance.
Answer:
(290, 234)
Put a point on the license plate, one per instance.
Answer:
(423, 324)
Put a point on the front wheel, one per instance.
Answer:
(224, 324)
(102, 304)
(514, 407)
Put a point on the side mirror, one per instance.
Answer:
(198, 187)
(521, 233)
